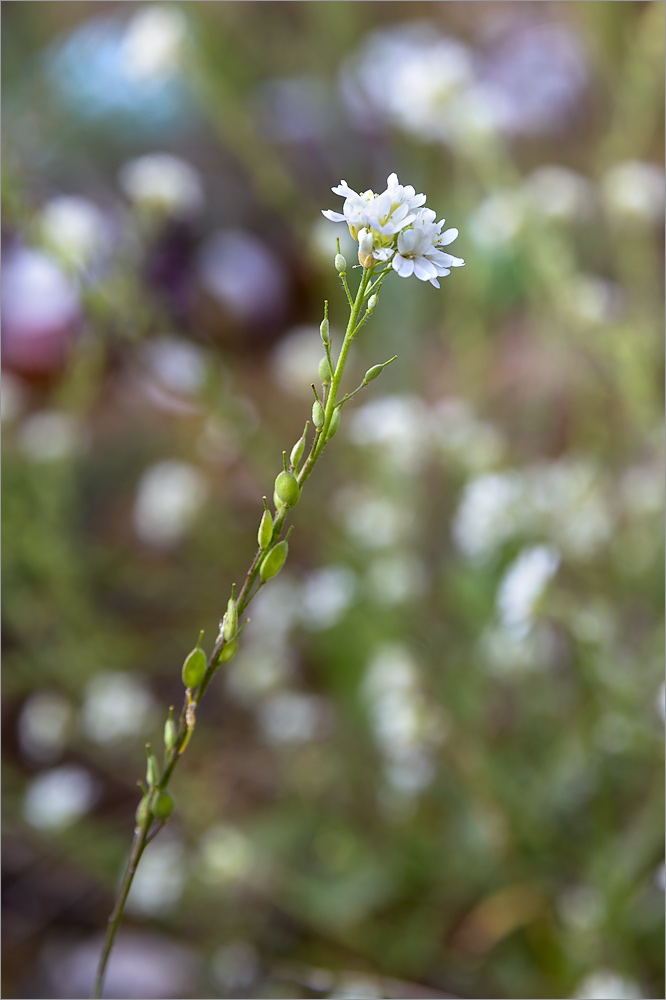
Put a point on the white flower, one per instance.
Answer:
(419, 249)
(395, 224)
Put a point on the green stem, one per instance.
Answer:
(142, 835)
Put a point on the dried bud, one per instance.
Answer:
(340, 263)
(274, 561)
(325, 373)
(230, 625)
(265, 532)
(163, 806)
(334, 424)
(194, 668)
(325, 330)
(317, 414)
(287, 489)
(228, 651)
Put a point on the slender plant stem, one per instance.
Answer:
(142, 834)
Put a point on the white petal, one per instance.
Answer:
(435, 282)
(448, 261)
(334, 216)
(448, 237)
(392, 181)
(424, 269)
(403, 265)
(407, 240)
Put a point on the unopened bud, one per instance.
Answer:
(372, 302)
(325, 373)
(334, 424)
(287, 489)
(265, 532)
(317, 414)
(340, 263)
(274, 561)
(163, 806)
(230, 626)
(194, 668)
(325, 330)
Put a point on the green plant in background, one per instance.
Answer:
(395, 232)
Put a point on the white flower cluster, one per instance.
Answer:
(396, 226)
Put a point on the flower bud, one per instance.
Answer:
(334, 424)
(325, 330)
(170, 732)
(265, 532)
(228, 651)
(163, 806)
(230, 626)
(274, 561)
(325, 373)
(194, 668)
(365, 248)
(340, 263)
(287, 489)
(317, 414)
(372, 302)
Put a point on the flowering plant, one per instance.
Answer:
(394, 231)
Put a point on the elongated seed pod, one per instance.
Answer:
(228, 651)
(170, 732)
(163, 806)
(152, 770)
(334, 424)
(274, 560)
(230, 626)
(142, 811)
(317, 414)
(325, 330)
(265, 532)
(194, 668)
(287, 489)
(298, 449)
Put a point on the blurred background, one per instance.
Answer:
(434, 767)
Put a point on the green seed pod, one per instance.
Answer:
(230, 626)
(298, 449)
(194, 668)
(325, 330)
(142, 810)
(265, 532)
(277, 503)
(163, 806)
(170, 732)
(325, 373)
(372, 302)
(334, 424)
(228, 651)
(152, 770)
(373, 373)
(274, 561)
(340, 263)
(317, 414)
(287, 489)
